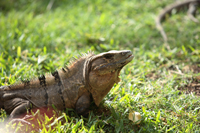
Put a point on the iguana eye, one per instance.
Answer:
(108, 56)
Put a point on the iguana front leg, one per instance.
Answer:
(83, 103)
(21, 109)
(17, 107)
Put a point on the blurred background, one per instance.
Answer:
(90, 24)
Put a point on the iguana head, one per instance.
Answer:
(103, 71)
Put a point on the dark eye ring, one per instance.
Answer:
(108, 56)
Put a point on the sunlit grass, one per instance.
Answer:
(36, 40)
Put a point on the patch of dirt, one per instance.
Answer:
(102, 110)
(194, 86)
(152, 75)
(193, 68)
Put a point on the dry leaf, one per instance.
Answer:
(135, 117)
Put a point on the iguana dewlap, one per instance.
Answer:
(89, 78)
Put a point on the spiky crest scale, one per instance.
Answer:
(25, 83)
(80, 57)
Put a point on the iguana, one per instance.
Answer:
(88, 78)
(191, 4)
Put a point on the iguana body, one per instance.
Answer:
(71, 87)
(191, 4)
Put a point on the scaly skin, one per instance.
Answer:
(89, 78)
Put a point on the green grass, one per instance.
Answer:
(36, 40)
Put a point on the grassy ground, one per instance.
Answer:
(160, 83)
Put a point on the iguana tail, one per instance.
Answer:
(1, 97)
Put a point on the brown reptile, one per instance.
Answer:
(88, 78)
(191, 4)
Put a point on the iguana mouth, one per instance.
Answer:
(129, 56)
(126, 60)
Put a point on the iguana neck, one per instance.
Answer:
(77, 73)
(74, 81)
(73, 75)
